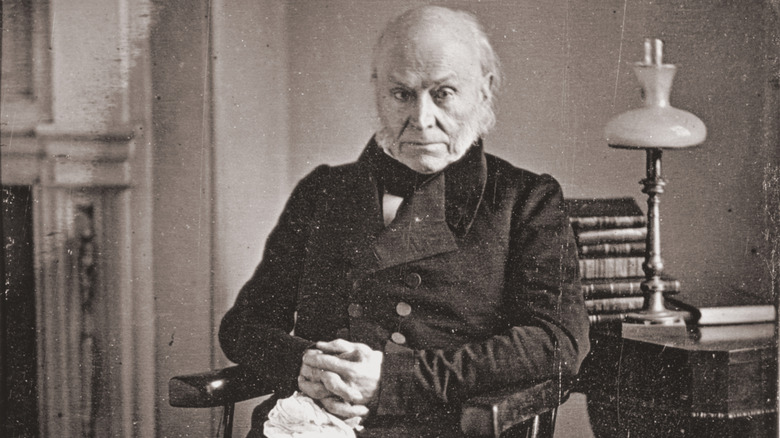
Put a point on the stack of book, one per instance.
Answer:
(611, 234)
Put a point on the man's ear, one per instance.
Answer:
(487, 87)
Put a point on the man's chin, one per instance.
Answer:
(425, 164)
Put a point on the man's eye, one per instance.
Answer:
(401, 95)
(443, 93)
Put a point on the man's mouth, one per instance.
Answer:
(422, 143)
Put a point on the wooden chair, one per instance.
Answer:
(526, 412)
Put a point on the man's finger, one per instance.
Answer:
(314, 390)
(343, 409)
(330, 363)
(336, 346)
(310, 373)
(336, 385)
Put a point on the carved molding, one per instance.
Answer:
(86, 310)
(89, 339)
(53, 156)
(84, 159)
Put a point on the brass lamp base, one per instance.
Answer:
(654, 311)
(667, 317)
(655, 318)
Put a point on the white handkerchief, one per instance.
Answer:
(298, 416)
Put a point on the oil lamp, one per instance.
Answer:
(654, 127)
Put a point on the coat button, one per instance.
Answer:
(403, 309)
(412, 280)
(398, 338)
(355, 310)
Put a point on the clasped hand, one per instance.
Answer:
(342, 375)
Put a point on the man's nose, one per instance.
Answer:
(424, 112)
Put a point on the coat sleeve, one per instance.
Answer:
(549, 325)
(256, 331)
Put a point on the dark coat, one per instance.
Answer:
(474, 285)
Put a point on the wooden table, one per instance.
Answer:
(718, 381)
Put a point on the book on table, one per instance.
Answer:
(601, 213)
(727, 306)
(611, 238)
(618, 296)
(722, 308)
(596, 318)
(610, 234)
(595, 288)
(733, 332)
(619, 249)
(611, 267)
(604, 318)
(614, 305)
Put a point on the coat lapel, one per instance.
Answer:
(418, 231)
(358, 214)
(427, 223)
(465, 186)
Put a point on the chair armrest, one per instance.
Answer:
(215, 388)
(485, 415)
(494, 413)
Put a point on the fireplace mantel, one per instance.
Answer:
(76, 133)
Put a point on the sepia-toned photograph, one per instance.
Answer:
(390, 218)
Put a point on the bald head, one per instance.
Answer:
(430, 24)
(435, 76)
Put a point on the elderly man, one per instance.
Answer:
(427, 271)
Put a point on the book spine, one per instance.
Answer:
(599, 222)
(622, 288)
(613, 305)
(613, 249)
(611, 235)
(621, 267)
(602, 318)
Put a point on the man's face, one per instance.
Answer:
(432, 99)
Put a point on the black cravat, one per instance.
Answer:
(395, 178)
(463, 180)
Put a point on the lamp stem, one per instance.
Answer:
(654, 264)
(654, 311)
(653, 187)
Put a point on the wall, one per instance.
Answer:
(249, 58)
(220, 159)
(182, 184)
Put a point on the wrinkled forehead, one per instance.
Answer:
(434, 46)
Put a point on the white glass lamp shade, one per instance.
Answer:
(657, 124)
